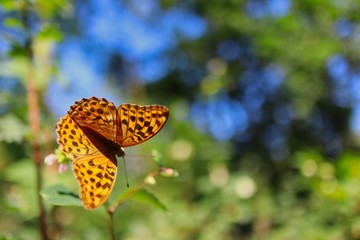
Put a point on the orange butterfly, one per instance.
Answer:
(94, 131)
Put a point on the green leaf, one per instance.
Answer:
(10, 5)
(147, 197)
(13, 23)
(61, 157)
(141, 195)
(12, 129)
(60, 196)
(50, 32)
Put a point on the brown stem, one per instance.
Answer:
(34, 122)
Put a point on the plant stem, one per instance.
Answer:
(112, 208)
(34, 122)
(36, 152)
(111, 212)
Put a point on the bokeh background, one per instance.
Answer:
(265, 114)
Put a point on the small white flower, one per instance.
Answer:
(50, 159)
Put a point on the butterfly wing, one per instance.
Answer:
(72, 141)
(94, 172)
(96, 176)
(137, 123)
(97, 114)
(92, 133)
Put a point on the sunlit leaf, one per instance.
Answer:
(147, 197)
(13, 22)
(11, 5)
(50, 32)
(142, 196)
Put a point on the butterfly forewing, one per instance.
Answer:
(97, 114)
(138, 123)
(72, 141)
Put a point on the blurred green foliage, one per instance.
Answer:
(237, 188)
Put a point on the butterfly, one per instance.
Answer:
(94, 132)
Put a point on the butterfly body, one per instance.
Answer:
(94, 132)
(106, 147)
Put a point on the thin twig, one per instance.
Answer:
(111, 212)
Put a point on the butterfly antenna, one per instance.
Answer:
(126, 176)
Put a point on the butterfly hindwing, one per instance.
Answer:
(96, 176)
(138, 123)
(94, 172)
